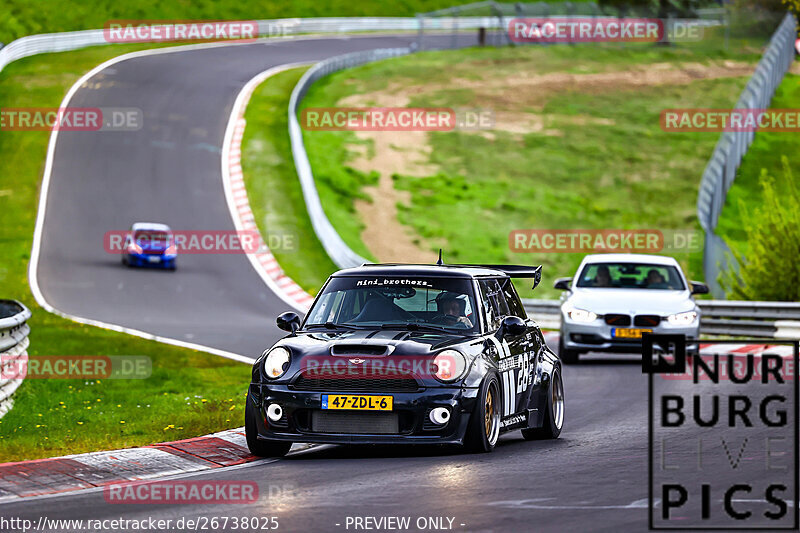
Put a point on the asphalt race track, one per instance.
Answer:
(168, 172)
(593, 478)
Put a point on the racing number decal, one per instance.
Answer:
(525, 372)
(516, 373)
(507, 376)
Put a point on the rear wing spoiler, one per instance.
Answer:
(517, 271)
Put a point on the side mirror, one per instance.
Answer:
(563, 284)
(512, 326)
(698, 288)
(288, 321)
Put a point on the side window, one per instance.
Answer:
(327, 308)
(494, 303)
(515, 306)
(352, 305)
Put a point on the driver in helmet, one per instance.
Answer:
(452, 309)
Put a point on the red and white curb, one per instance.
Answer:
(783, 350)
(52, 476)
(42, 477)
(264, 261)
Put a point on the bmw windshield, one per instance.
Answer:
(631, 276)
(425, 303)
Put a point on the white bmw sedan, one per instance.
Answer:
(615, 298)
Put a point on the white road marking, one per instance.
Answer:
(539, 503)
(42, 213)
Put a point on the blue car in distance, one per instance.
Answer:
(150, 244)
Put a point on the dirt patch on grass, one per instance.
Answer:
(392, 152)
(384, 235)
(527, 88)
(531, 90)
(515, 100)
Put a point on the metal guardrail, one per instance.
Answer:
(73, 40)
(720, 172)
(14, 342)
(334, 245)
(775, 320)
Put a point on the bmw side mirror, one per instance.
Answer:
(698, 288)
(563, 284)
(512, 326)
(288, 321)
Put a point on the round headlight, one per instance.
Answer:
(276, 363)
(449, 365)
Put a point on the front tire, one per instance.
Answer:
(570, 357)
(261, 448)
(484, 424)
(554, 412)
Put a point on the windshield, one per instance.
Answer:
(152, 239)
(631, 276)
(405, 302)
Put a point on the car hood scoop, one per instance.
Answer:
(374, 350)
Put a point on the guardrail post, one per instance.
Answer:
(420, 31)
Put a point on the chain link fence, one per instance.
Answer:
(721, 170)
(489, 23)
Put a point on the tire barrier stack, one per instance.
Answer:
(14, 342)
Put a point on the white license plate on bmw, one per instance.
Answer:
(154, 258)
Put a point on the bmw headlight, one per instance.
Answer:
(581, 315)
(449, 365)
(682, 319)
(277, 362)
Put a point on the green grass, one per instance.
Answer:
(273, 189)
(56, 417)
(765, 152)
(626, 173)
(21, 17)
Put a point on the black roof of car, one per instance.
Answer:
(441, 271)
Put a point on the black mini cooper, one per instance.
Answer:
(427, 354)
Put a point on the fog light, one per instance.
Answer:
(440, 415)
(274, 412)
